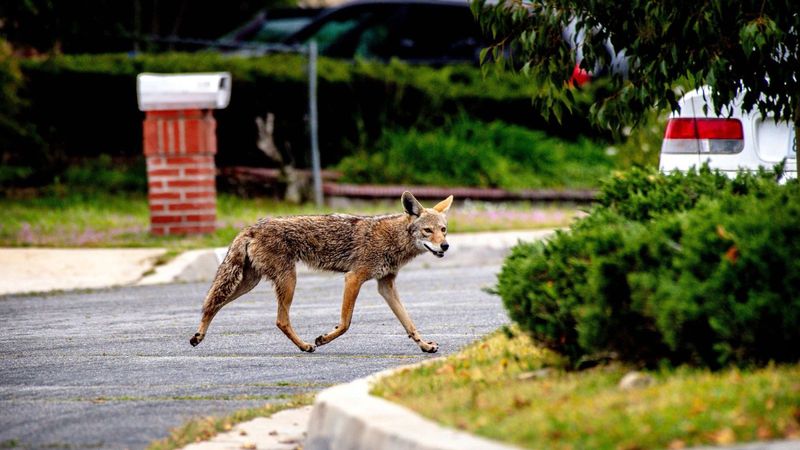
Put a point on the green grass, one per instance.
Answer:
(122, 220)
(205, 428)
(497, 388)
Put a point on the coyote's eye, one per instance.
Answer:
(427, 230)
(444, 229)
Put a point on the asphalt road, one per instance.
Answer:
(114, 369)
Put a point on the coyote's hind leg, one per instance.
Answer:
(235, 277)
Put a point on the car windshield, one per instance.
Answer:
(275, 30)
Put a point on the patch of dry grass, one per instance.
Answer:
(506, 388)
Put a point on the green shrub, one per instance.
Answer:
(102, 174)
(708, 276)
(643, 193)
(22, 150)
(473, 153)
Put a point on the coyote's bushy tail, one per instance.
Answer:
(232, 267)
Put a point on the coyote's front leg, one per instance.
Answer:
(388, 291)
(352, 285)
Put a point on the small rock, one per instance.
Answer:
(273, 433)
(725, 436)
(446, 369)
(249, 446)
(536, 374)
(677, 444)
(635, 380)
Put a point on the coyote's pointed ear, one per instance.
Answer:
(411, 205)
(444, 205)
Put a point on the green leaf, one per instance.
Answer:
(556, 109)
(669, 44)
(484, 52)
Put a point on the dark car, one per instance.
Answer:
(270, 26)
(417, 31)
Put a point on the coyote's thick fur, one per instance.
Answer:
(362, 248)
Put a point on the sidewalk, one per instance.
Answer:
(24, 270)
(284, 430)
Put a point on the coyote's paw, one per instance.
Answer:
(196, 339)
(433, 347)
(310, 348)
(320, 340)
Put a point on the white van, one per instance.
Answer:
(727, 142)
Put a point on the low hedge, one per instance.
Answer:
(17, 137)
(84, 105)
(467, 152)
(707, 276)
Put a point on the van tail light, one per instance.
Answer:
(694, 135)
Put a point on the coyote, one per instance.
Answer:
(362, 247)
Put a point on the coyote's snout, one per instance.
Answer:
(362, 248)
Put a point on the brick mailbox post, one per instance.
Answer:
(180, 142)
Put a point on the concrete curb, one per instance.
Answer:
(189, 266)
(348, 417)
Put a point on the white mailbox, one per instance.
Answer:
(158, 92)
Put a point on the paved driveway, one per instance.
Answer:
(114, 369)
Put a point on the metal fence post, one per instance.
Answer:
(313, 124)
